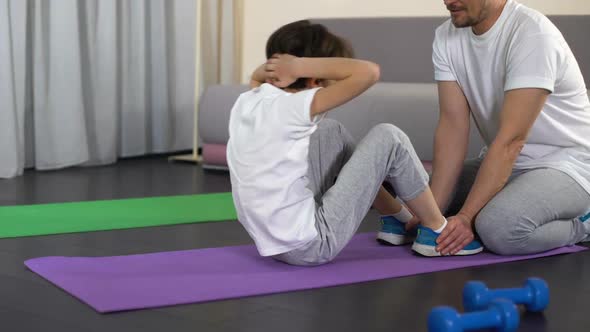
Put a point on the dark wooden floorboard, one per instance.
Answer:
(29, 303)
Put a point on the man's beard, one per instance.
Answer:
(468, 22)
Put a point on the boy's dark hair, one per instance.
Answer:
(306, 39)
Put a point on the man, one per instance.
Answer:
(511, 69)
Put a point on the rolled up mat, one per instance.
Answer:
(214, 155)
(57, 218)
(169, 278)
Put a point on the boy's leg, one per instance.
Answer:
(386, 152)
(385, 203)
(330, 147)
(535, 212)
(393, 230)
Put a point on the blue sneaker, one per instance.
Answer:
(585, 220)
(425, 244)
(393, 232)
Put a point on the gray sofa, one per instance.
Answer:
(406, 95)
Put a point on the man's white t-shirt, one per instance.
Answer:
(523, 49)
(267, 155)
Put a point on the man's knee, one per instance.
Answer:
(501, 231)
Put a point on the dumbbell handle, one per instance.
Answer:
(476, 320)
(518, 295)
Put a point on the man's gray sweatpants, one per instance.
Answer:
(534, 212)
(345, 182)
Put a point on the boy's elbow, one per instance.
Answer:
(366, 72)
(375, 71)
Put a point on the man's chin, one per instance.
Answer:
(460, 23)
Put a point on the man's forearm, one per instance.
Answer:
(492, 176)
(450, 148)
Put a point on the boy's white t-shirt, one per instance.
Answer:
(267, 155)
(523, 49)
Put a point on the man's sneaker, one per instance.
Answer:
(425, 244)
(585, 218)
(393, 232)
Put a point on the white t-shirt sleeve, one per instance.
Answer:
(442, 67)
(534, 62)
(297, 108)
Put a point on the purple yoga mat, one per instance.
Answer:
(167, 278)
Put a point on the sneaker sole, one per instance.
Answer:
(429, 251)
(393, 239)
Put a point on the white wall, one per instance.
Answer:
(261, 17)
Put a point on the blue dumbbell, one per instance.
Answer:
(501, 314)
(534, 295)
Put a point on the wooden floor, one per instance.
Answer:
(29, 303)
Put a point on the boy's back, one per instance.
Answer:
(267, 155)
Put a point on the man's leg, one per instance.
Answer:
(534, 212)
(386, 152)
(463, 186)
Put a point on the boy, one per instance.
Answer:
(300, 187)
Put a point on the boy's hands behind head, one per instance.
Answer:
(281, 70)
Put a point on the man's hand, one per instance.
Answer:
(281, 70)
(455, 236)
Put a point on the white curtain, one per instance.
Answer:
(221, 41)
(87, 81)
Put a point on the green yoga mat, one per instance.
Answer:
(57, 218)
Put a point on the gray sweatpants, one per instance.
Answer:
(345, 182)
(534, 212)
